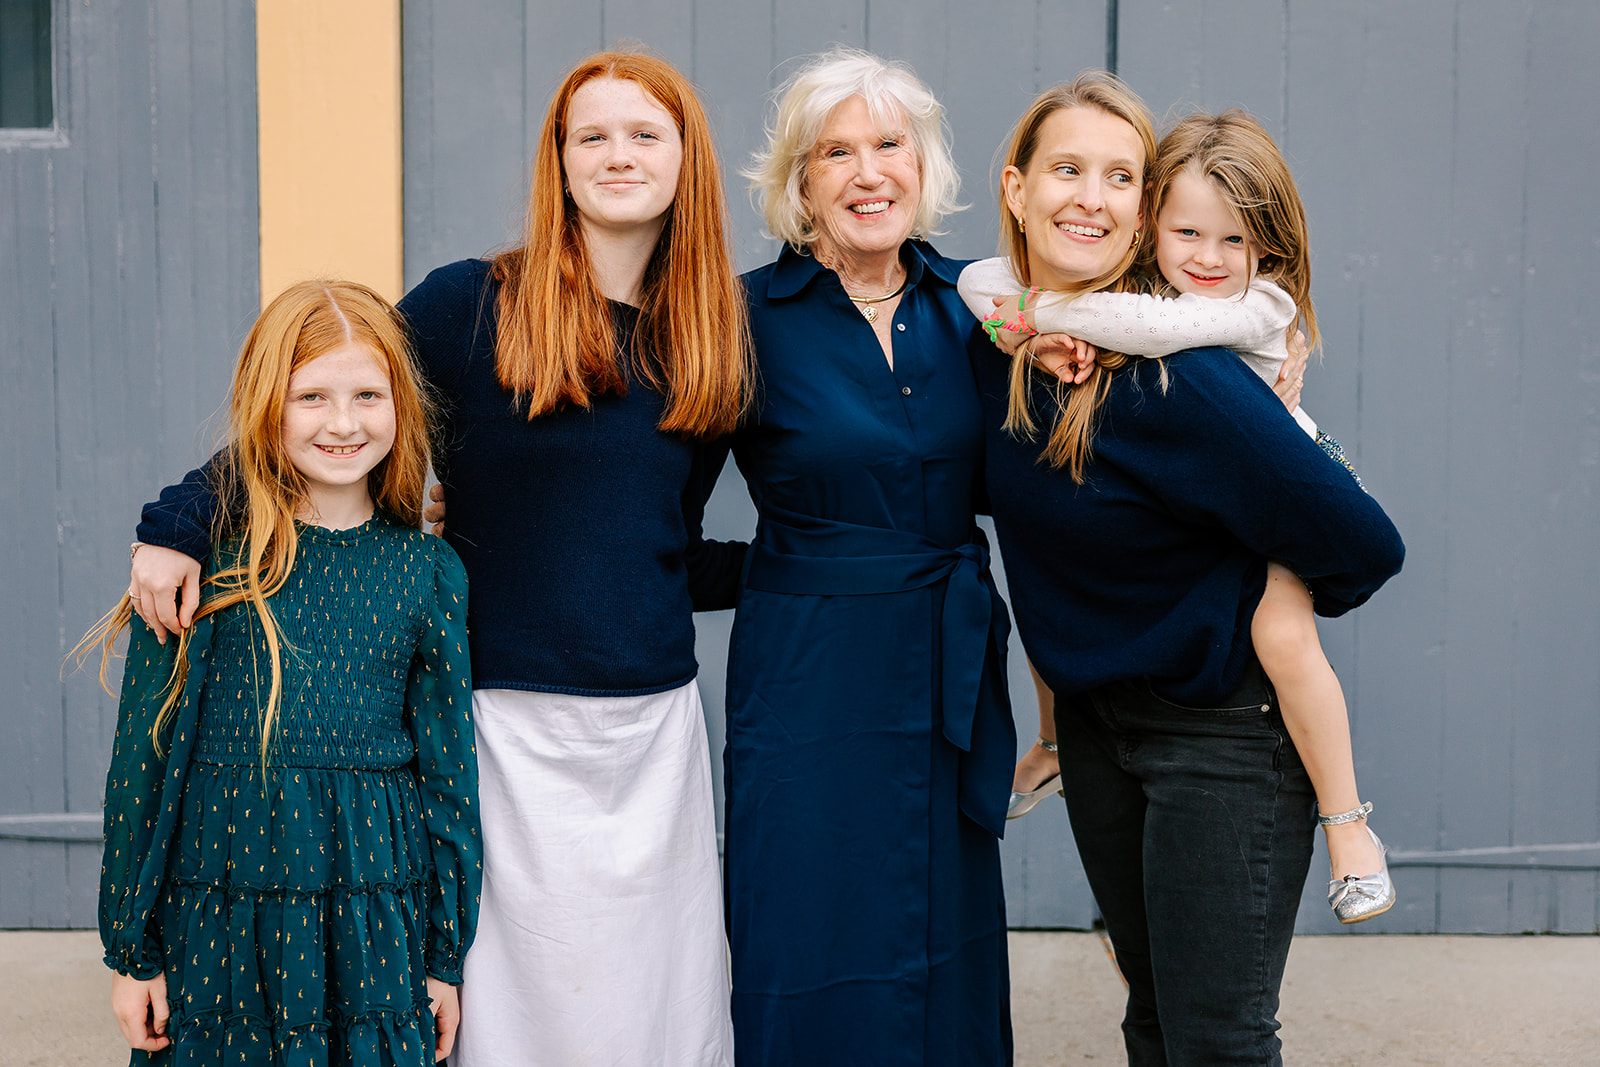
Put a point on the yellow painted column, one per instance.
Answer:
(328, 82)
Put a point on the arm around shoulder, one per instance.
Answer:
(1142, 324)
(984, 281)
(183, 516)
(450, 314)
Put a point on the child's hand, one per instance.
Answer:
(1066, 357)
(434, 513)
(446, 1016)
(1292, 375)
(1012, 321)
(156, 580)
(141, 1010)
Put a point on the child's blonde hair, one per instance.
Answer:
(1240, 160)
(259, 491)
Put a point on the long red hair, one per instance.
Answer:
(260, 491)
(555, 344)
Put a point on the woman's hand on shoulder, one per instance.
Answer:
(140, 1006)
(164, 588)
(1292, 375)
(433, 511)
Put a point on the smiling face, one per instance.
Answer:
(1200, 246)
(862, 185)
(1079, 197)
(621, 156)
(338, 424)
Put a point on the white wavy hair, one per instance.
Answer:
(804, 102)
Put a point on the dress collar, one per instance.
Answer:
(794, 270)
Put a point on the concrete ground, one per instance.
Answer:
(1376, 1000)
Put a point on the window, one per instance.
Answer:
(26, 100)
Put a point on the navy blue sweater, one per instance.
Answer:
(1154, 566)
(580, 529)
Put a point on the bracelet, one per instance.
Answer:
(1048, 746)
(133, 549)
(1354, 814)
(1020, 323)
(994, 323)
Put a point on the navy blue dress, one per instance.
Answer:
(870, 740)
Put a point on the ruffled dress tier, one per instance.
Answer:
(298, 912)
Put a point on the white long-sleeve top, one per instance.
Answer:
(1253, 324)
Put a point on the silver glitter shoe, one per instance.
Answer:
(1354, 898)
(1022, 803)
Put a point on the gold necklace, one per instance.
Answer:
(864, 303)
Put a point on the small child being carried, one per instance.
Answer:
(1231, 246)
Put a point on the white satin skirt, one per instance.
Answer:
(600, 932)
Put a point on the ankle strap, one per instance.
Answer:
(1345, 816)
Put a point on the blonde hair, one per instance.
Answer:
(259, 490)
(555, 344)
(1070, 437)
(804, 101)
(1239, 158)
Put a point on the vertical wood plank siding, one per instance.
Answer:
(127, 280)
(1442, 154)
(1445, 154)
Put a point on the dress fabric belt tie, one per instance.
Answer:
(809, 556)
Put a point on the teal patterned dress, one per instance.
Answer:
(297, 916)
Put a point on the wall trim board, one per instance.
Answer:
(330, 143)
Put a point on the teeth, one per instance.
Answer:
(872, 208)
(1085, 231)
(339, 450)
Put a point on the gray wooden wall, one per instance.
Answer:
(127, 279)
(1445, 151)
(1441, 148)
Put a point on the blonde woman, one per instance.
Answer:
(1138, 512)
(870, 738)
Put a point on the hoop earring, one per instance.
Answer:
(1022, 227)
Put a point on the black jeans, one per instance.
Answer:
(1195, 828)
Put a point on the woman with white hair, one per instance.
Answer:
(870, 740)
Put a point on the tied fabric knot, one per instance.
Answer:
(809, 556)
(965, 627)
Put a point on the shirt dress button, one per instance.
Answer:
(905, 390)
(900, 326)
